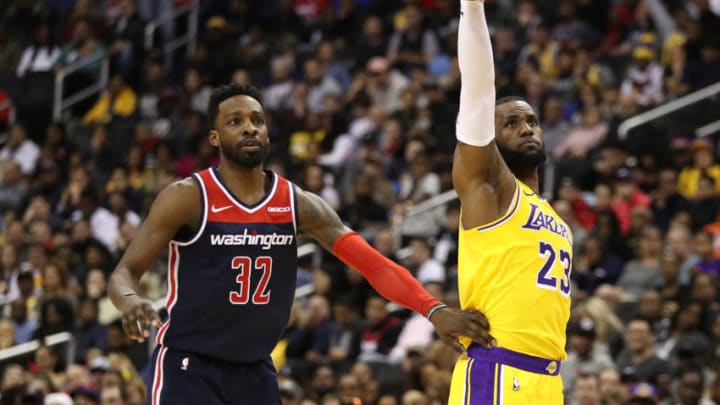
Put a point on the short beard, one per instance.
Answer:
(235, 154)
(517, 160)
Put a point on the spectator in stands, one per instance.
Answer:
(422, 263)
(7, 334)
(686, 337)
(48, 362)
(381, 333)
(555, 128)
(417, 332)
(643, 272)
(334, 68)
(703, 165)
(82, 46)
(345, 336)
(23, 326)
(42, 55)
(667, 202)
(118, 101)
(383, 84)
(412, 43)
(582, 139)
(127, 39)
(595, 266)
(20, 149)
(310, 344)
(611, 390)
(90, 333)
(679, 241)
(113, 395)
(418, 184)
(584, 357)
(319, 83)
(276, 96)
(628, 197)
(708, 263)
(639, 358)
(363, 212)
(196, 92)
(371, 43)
(12, 188)
(644, 80)
(586, 390)
(689, 390)
(704, 72)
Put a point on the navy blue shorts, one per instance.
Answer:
(188, 378)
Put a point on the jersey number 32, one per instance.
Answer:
(245, 267)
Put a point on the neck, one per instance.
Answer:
(529, 177)
(248, 179)
(638, 357)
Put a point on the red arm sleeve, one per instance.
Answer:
(391, 280)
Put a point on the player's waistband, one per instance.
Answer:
(514, 359)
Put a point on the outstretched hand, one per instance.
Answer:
(451, 323)
(136, 320)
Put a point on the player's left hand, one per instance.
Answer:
(451, 323)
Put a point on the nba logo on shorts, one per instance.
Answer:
(185, 363)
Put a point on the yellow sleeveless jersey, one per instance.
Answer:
(516, 270)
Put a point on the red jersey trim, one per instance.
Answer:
(250, 210)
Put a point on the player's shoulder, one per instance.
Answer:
(183, 192)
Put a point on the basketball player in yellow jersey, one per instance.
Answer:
(514, 251)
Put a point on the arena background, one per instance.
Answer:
(104, 102)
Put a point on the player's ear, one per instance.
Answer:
(214, 138)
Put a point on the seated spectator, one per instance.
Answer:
(421, 262)
(703, 165)
(679, 240)
(381, 333)
(310, 344)
(644, 80)
(705, 207)
(555, 128)
(628, 197)
(595, 266)
(586, 391)
(83, 46)
(667, 202)
(639, 358)
(417, 333)
(345, 336)
(383, 84)
(40, 56)
(196, 93)
(20, 149)
(643, 272)
(12, 187)
(118, 101)
(412, 43)
(363, 211)
(127, 41)
(708, 263)
(612, 391)
(582, 139)
(584, 357)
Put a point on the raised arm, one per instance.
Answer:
(318, 220)
(480, 176)
(176, 207)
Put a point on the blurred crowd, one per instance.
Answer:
(361, 98)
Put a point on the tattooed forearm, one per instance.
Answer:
(318, 220)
